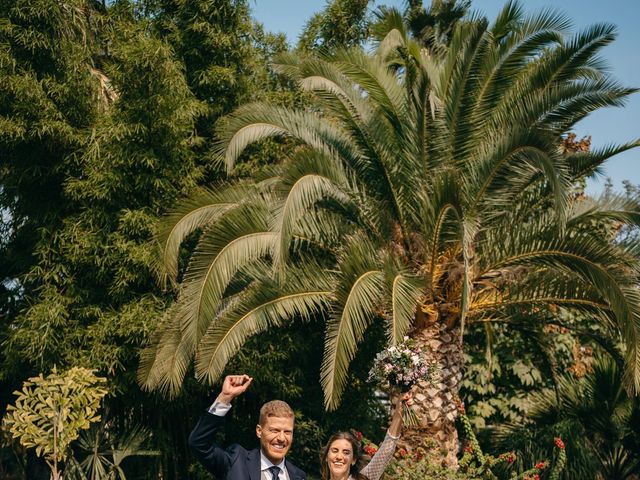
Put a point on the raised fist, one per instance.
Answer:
(233, 386)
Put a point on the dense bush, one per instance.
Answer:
(474, 464)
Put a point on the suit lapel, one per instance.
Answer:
(253, 459)
(293, 472)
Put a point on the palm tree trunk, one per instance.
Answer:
(436, 404)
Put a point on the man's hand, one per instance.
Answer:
(233, 386)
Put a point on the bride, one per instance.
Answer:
(341, 457)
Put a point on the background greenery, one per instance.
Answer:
(107, 116)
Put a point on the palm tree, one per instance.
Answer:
(103, 453)
(427, 191)
(434, 25)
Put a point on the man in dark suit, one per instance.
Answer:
(275, 431)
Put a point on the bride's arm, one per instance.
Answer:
(375, 468)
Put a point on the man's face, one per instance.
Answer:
(275, 437)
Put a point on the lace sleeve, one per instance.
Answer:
(375, 468)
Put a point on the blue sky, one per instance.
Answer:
(613, 125)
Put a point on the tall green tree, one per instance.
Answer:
(47, 99)
(430, 27)
(400, 204)
(86, 296)
(434, 25)
(225, 55)
(215, 40)
(92, 280)
(129, 140)
(90, 298)
(342, 23)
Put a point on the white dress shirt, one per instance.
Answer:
(218, 408)
(265, 464)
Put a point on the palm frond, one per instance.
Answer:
(373, 76)
(594, 262)
(609, 210)
(165, 361)
(405, 293)
(585, 164)
(198, 211)
(309, 179)
(358, 298)
(262, 306)
(210, 272)
(525, 154)
(255, 122)
(345, 330)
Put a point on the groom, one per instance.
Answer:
(275, 431)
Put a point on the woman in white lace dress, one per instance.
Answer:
(341, 457)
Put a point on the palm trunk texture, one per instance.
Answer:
(435, 403)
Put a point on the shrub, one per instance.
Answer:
(50, 412)
(474, 464)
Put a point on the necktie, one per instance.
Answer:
(275, 472)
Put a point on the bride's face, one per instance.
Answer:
(340, 458)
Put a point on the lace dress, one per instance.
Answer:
(375, 468)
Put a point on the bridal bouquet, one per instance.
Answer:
(398, 368)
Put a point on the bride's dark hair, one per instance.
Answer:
(354, 470)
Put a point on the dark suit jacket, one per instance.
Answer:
(233, 463)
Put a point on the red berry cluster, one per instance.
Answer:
(370, 450)
(509, 457)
